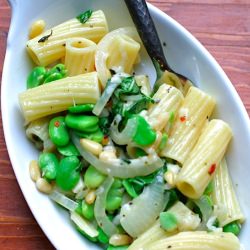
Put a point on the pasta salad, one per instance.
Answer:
(135, 168)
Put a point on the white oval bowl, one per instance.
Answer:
(185, 54)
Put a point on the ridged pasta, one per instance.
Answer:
(57, 96)
(123, 43)
(190, 119)
(173, 80)
(153, 234)
(197, 240)
(123, 52)
(187, 219)
(143, 82)
(226, 205)
(44, 53)
(201, 164)
(168, 99)
(79, 56)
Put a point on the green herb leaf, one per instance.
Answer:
(84, 17)
(45, 38)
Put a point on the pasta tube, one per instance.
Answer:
(199, 168)
(123, 52)
(197, 240)
(57, 96)
(195, 109)
(153, 234)
(126, 47)
(186, 219)
(173, 80)
(168, 99)
(53, 48)
(80, 56)
(143, 82)
(226, 205)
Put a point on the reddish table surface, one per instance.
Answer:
(222, 26)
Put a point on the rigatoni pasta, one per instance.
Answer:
(50, 45)
(79, 56)
(226, 204)
(197, 241)
(53, 98)
(190, 119)
(168, 100)
(200, 166)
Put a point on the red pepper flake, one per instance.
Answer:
(183, 118)
(212, 169)
(105, 140)
(57, 124)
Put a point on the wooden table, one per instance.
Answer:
(223, 26)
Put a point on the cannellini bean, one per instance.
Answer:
(120, 240)
(90, 197)
(36, 28)
(44, 186)
(91, 146)
(34, 170)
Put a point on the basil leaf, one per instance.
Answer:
(84, 17)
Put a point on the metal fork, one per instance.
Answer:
(145, 26)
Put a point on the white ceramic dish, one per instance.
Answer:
(185, 54)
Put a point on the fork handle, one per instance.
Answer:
(145, 26)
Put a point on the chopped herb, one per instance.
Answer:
(84, 17)
(45, 38)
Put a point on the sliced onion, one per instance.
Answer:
(124, 137)
(118, 168)
(84, 225)
(206, 211)
(140, 214)
(100, 213)
(63, 201)
(107, 93)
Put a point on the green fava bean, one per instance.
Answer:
(68, 150)
(93, 178)
(88, 210)
(95, 136)
(36, 77)
(48, 164)
(68, 173)
(102, 237)
(53, 77)
(110, 247)
(59, 68)
(144, 134)
(81, 108)
(114, 198)
(232, 227)
(81, 122)
(58, 132)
